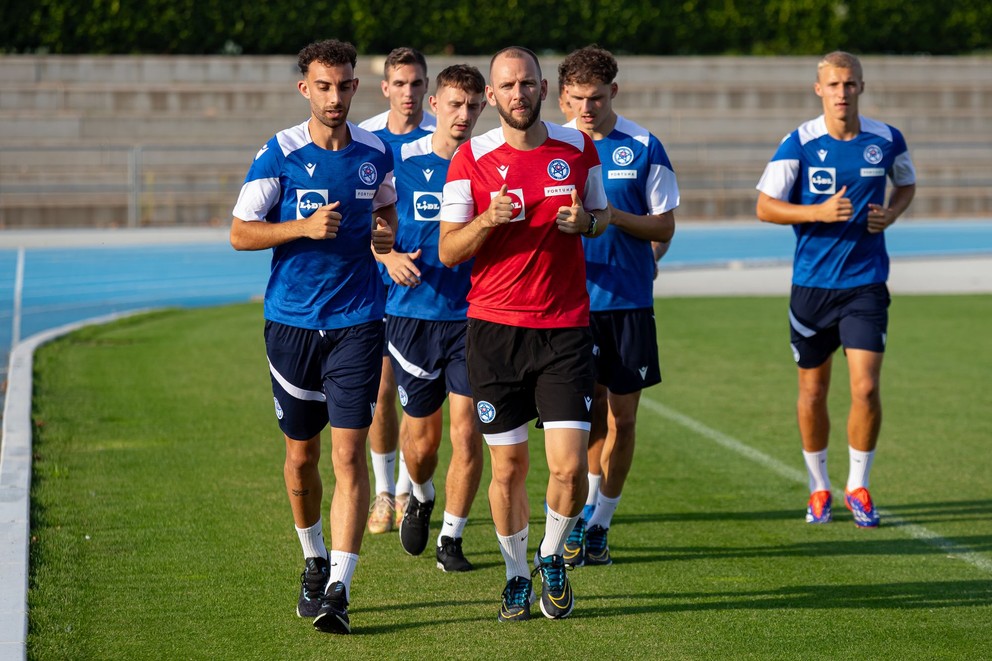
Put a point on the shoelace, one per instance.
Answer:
(517, 592)
(596, 543)
(578, 532)
(317, 579)
(552, 571)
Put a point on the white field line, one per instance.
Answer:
(915, 531)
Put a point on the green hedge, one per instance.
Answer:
(471, 27)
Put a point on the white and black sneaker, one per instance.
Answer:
(313, 580)
(333, 614)
(450, 556)
(415, 526)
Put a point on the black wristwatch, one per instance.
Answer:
(592, 225)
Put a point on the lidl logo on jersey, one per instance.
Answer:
(822, 181)
(623, 155)
(426, 206)
(367, 173)
(558, 170)
(308, 201)
(516, 196)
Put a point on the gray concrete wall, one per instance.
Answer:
(182, 129)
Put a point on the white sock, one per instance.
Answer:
(312, 541)
(342, 569)
(402, 477)
(383, 466)
(514, 550)
(422, 492)
(816, 468)
(451, 526)
(605, 507)
(860, 467)
(594, 481)
(556, 529)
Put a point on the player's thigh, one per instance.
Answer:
(565, 382)
(352, 368)
(294, 356)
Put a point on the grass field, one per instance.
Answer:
(160, 528)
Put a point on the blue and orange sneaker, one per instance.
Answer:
(818, 510)
(859, 502)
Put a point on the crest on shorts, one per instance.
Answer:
(404, 398)
(487, 412)
(279, 412)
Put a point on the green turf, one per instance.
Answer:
(160, 528)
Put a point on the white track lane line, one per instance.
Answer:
(952, 549)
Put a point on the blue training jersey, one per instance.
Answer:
(377, 125)
(808, 168)
(441, 294)
(639, 179)
(330, 283)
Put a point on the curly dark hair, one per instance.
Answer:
(330, 52)
(463, 77)
(591, 65)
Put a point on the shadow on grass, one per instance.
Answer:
(899, 596)
(947, 511)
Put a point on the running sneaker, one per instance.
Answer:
(859, 502)
(313, 580)
(517, 597)
(401, 500)
(818, 510)
(333, 614)
(416, 524)
(574, 545)
(597, 547)
(381, 514)
(450, 556)
(556, 592)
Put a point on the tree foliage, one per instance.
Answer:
(471, 27)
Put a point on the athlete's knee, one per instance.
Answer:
(302, 456)
(866, 390)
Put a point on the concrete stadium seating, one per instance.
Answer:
(114, 141)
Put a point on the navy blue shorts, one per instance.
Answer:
(821, 320)
(428, 360)
(625, 347)
(518, 373)
(324, 376)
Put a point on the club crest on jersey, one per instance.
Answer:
(487, 412)
(404, 398)
(308, 201)
(516, 196)
(873, 154)
(558, 170)
(623, 155)
(367, 173)
(822, 181)
(426, 206)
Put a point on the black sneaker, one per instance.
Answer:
(597, 547)
(556, 591)
(574, 546)
(313, 580)
(333, 614)
(517, 596)
(415, 526)
(450, 556)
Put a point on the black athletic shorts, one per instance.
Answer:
(821, 320)
(428, 360)
(324, 376)
(517, 374)
(625, 347)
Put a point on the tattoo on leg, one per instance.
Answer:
(300, 493)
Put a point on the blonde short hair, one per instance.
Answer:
(841, 60)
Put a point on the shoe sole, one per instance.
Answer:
(331, 623)
(440, 565)
(559, 616)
